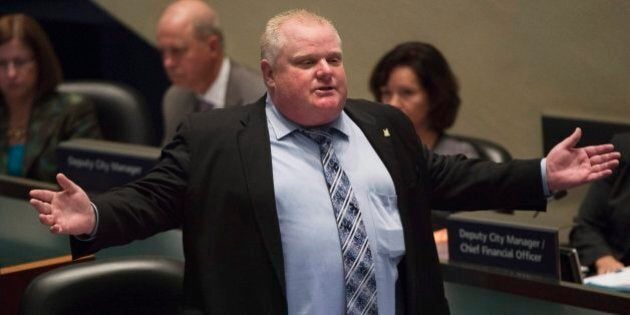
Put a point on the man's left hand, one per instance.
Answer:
(568, 166)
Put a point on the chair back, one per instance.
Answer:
(127, 285)
(121, 109)
(487, 149)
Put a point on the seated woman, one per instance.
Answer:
(416, 78)
(602, 231)
(34, 118)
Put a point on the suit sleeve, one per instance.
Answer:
(457, 183)
(587, 236)
(145, 207)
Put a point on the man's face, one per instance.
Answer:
(307, 82)
(188, 60)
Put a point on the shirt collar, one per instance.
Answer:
(282, 127)
(216, 92)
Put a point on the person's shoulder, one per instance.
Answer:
(621, 141)
(244, 84)
(374, 108)
(177, 99)
(621, 137)
(237, 68)
(67, 100)
(174, 91)
(228, 116)
(247, 79)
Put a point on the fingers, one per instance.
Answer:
(595, 176)
(51, 222)
(608, 160)
(602, 169)
(46, 219)
(610, 268)
(66, 184)
(43, 195)
(55, 229)
(572, 140)
(41, 207)
(599, 149)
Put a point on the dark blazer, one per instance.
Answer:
(54, 118)
(215, 180)
(603, 221)
(244, 86)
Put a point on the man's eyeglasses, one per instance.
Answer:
(18, 63)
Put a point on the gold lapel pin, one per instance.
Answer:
(386, 133)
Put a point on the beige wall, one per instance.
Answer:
(515, 59)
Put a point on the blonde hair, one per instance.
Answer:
(272, 38)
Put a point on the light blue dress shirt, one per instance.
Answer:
(310, 241)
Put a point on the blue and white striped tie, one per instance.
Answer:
(357, 258)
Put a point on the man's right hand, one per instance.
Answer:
(607, 264)
(67, 211)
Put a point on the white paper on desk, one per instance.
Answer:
(619, 280)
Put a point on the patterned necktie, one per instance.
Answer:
(357, 258)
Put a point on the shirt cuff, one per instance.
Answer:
(545, 184)
(92, 235)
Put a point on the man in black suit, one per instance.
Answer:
(246, 186)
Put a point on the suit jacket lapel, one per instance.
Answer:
(378, 133)
(255, 150)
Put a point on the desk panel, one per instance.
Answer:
(505, 288)
(465, 299)
(22, 238)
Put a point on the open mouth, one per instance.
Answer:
(325, 88)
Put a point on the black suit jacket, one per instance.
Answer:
(215, 181)
(604, 217)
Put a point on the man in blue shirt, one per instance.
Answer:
(263, 219)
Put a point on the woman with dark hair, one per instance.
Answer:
(416, 78)
(34, 117)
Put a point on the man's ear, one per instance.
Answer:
(214, 43)
(267, 73)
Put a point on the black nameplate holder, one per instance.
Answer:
(512, 246)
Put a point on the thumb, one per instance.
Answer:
(571, 141)
(66, 184)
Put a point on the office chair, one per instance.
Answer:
(121, 285)
(121, 109)
(487, 149)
